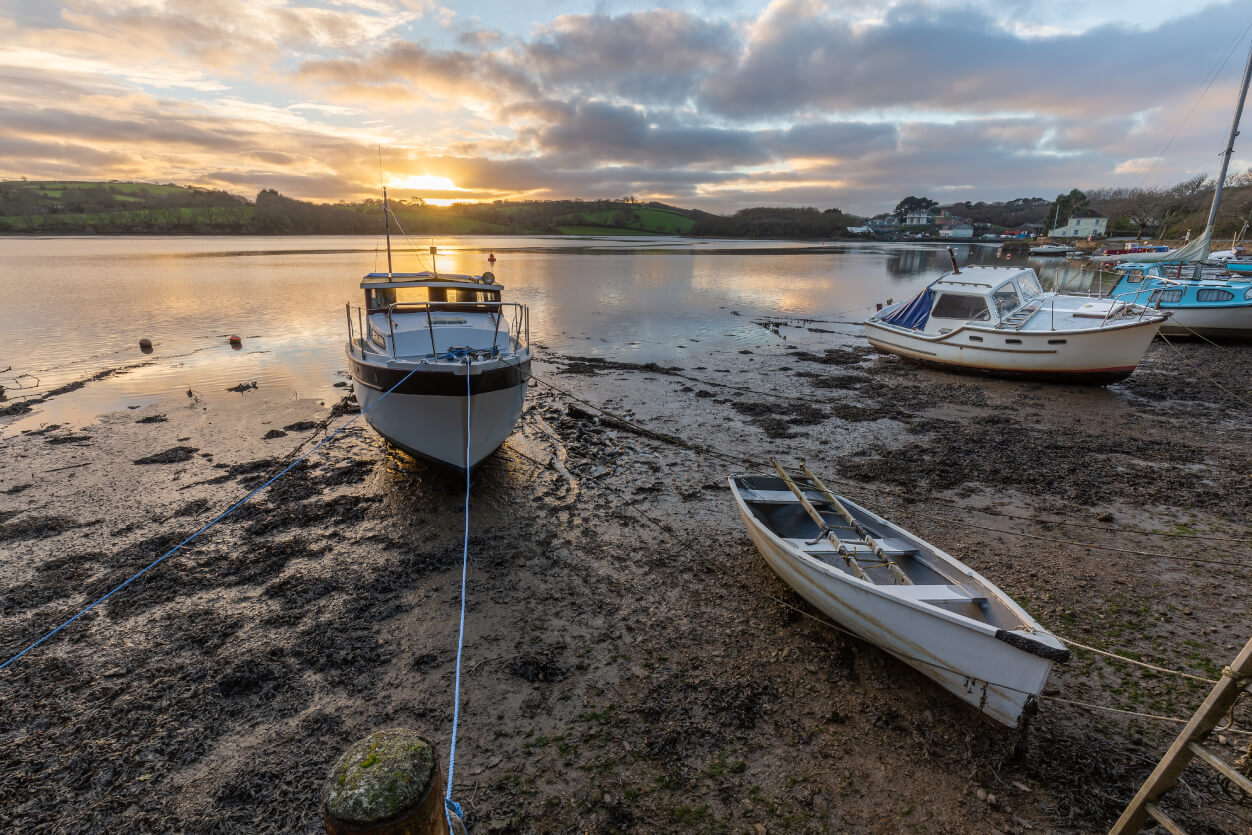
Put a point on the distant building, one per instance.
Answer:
(1082, 227)
(919, 217)
(860, 230)
(881, 223)
(959, 229)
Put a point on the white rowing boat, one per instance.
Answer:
(899, 593)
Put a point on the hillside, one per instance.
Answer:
(75, 208)
(52, 207)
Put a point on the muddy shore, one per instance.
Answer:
(631, 664)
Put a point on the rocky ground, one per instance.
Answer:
(631, 664)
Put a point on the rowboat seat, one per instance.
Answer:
(940, 593)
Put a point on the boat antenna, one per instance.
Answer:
(1230, 149)
(955, 269)
(387, 223)
(386, 211)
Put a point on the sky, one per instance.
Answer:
(711, 104)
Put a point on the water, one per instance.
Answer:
(75, 306)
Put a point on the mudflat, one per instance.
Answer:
(631, 664)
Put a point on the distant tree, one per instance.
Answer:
(913, 204)
(1066, 206)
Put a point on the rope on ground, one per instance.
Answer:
(879, 490)
(217, 519)
(712, 453)
(1136, 713)
(451, 807)
(1137, 663)
(1155, 554)
(1177, 350)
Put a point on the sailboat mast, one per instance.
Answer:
(387, 224)
(1230, 144)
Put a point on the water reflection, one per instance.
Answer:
(642, 299)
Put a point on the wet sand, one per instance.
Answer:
(631, 664)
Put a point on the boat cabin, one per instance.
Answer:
(1193, 288)
(987, 296)
(425, 314)
(383, 290)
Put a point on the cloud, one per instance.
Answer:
(650, 56)
(818, 103)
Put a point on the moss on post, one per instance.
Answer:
(388, 783)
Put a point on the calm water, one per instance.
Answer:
(75, 306)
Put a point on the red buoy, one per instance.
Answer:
(491, 259)
(235, 342)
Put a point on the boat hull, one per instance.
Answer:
(994, 677)
(1095, 357)
(1231, 322)
(426, 414)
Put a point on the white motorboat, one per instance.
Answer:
(899, 593)
(998, 320)
(433, 331)
(439, 363)
(1051, 249)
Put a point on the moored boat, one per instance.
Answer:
(1051, 249)
(899, 593)
(1205, 303)
(998, 320)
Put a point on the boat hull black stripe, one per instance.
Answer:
(438, 383)
(1032, 646)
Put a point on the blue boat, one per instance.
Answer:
(1201, 306)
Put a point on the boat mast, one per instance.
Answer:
(1230, 145)
(387, 223)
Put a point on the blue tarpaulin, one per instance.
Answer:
(914, 313)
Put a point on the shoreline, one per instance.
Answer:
(621, 674)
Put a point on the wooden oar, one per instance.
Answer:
(850, 559)
(874, 545)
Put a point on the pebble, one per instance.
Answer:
(981, 794)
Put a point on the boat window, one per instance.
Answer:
(960, 306)
(1171, 296)
(383, 297)
(1247, 294)
(1213, 294)
(1006, 298)
(1134, 276)
(1030, 285)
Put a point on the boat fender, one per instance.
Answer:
(1032, 646)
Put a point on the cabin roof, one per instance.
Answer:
(977, 279)
(422, 279)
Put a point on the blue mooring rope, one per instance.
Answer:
(449, 804)
(220, 517)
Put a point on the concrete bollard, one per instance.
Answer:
(389, 783)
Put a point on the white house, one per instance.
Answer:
(922, 217)
(957, 230)
(1081, 227)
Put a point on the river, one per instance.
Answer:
(76, 306)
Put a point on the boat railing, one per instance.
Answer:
(1118, 305)
(1130, 300)
(517, 325)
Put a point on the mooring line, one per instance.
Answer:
(451, 806)
(219, 518)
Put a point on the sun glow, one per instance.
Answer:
(425, 181)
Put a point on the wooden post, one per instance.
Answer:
(389, 783)
(1162, 779)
